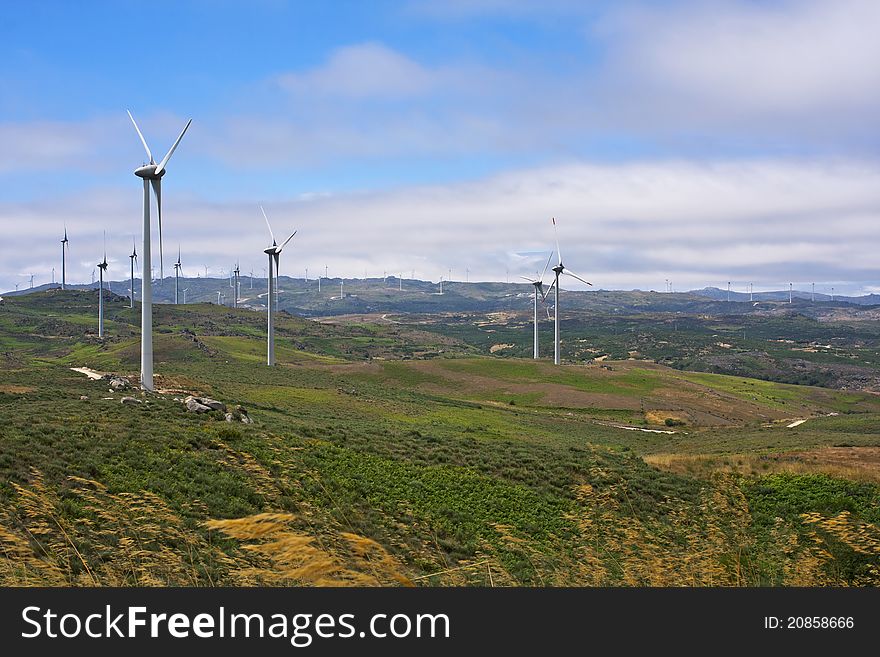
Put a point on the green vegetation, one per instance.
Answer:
(389, 453)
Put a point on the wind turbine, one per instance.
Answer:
(102, 267)
(790, 291)
(728, 291)
(152, 175)
(751, 291)
(64, 248)
(178, 268)
(236, 271)
(133, 257)
(558, 270)
(32, 281)
(274, 253)
(539, 290)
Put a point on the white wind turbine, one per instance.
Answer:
(539, 291)
(236, 285)
(152, 175)
(178, 270)
(274, 253)
(64, 249)
(102, 267)
(133, 257)
(557, 270)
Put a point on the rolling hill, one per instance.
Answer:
(398, 453)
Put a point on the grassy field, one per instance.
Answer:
(389, 454)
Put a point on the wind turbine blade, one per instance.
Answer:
(157, 189)
(549, 290)
(161, 167)
(268, 225)
(277, 257)
(286, 241)
(556, 235)
(545, 266)
(143, 141)
(526, 278)
(568, 273)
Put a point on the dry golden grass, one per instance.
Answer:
(853, 463)
(15, 390)
(126, 539)
(275, 553)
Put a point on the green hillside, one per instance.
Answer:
(386, 453)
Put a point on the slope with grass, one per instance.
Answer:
(391, 455)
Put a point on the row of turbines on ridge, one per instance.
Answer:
(152, 174)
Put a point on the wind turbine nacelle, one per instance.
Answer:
(148, 172)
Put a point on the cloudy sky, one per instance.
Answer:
(694, 141)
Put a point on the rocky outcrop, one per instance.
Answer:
(195, 405)
(131, 401)
(117, 382)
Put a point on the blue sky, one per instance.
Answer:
(698, 141)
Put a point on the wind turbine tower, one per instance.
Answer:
(558, 270)
(274, 253)
(64, 248)
(790, 292)
(177, 269)
(133, 257)
(539, 291)
(236, 291)
(152, 176)
(102, 267)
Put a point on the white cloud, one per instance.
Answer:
(364, 71)
(626, 225)
(741, 59)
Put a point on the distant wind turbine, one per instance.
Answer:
(539, 291)
(133, 257)
(102, 267)
(237, 286)
(274, 253)
(178, 269)
(152, 176)
(64, 248)
(559, 269)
